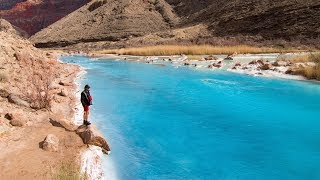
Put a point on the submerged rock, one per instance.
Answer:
(89, 136)
(51, 143)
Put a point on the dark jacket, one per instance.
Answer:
(86, 98)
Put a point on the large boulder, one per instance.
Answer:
(51, 143)
(63, 123)
(17, 100)
(90, 136)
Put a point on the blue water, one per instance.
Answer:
(182, 123)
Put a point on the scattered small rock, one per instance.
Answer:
(265, 67)
(252, 62)
(4, 93)
(280, 63)
(43, 94)
(62, 93)
(51, 143)
(64, 83)
(17, 100)
(67, 125)
(18, 122)
(237, 64)
(211, 57)
(260, 62)
(229, 57)
(16, 119)
(8, 116)
(53, 85)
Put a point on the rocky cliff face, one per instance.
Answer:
(287, 19)
(33, 15)
(125, 21)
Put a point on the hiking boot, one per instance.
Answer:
(87, 123)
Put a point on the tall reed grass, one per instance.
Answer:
(310, 72)
(167, 50)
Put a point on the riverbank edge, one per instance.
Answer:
(146, 59)
(91, 157)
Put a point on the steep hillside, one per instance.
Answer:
(109, 20)
(124, 23)
(33, 15)
(29, 90)
(288, 19)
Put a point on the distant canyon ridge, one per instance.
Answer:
(34, 15)
(124, 23)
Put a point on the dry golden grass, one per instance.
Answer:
(300, 59)
(167, 50)
(195, 57)
(310, 72)
(68, 171)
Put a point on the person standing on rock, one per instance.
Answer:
(86, 101)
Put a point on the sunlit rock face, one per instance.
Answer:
(34, 15)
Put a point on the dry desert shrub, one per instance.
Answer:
(39, 73)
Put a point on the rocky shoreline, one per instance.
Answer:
(271, 65)
(265, 65)
(38, 138)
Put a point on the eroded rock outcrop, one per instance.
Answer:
(90, 136)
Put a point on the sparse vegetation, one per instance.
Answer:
(192, 50)
(68, 171)
(310, 72)
(312, 57)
